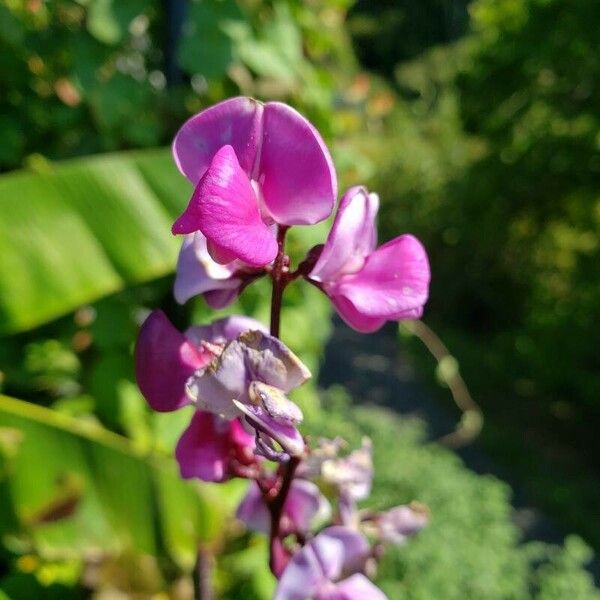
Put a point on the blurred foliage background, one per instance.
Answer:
(478, 124)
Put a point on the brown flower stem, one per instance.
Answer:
(275, 497)
(279, 556)
(279, 280)
(203, 574)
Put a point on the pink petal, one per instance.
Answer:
(219, 254)
(393, 284)
(275, 146)
(296, 172)
(225, 209)
(201, 451)
(355, 319)
(236, 122)
(352, 238)
(207, 445)
(164, 360)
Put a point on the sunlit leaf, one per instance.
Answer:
(83, 229)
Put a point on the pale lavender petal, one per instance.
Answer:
(225, 209)
(296, 172)
(274, 362)
(221, 298)
(302, 577)
(253, 510)
(394, 280)
(193, 277)
(275, 402)
(305, 504)
(214, 388)
(397, 524)
(236, 122)
(286, 435)
(323, 560)
(325, 449)
(164, 360)
(353, 474)
(224, 330)
(352, 238)
(355, 587)
(340, 550)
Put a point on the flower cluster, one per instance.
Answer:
(257, 170)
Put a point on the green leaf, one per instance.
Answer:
(108, 19)
(73, 487)
(205, 46)
(277, 51)
(77, 231)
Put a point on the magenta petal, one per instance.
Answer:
(236, 122)
(355, 319)
(206, 446)
(225, 209)
(164, 360)
(202, 449)
(355, 587)
(352, 238)
(219, 254)
(296, 172)
(394, 281)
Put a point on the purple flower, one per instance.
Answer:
(329, 567)
(211, 446)
(198, 273)
(254, 165)
(164, 361)
(303, 506)
(370, 286)
(352, 475)
(396, 525)
(251, 378)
